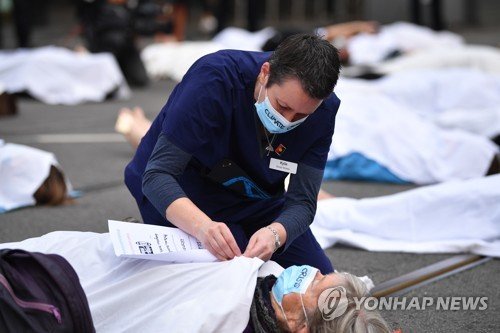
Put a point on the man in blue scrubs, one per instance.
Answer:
(215, 159)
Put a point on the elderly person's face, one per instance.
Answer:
(288, 98)
(292, 306)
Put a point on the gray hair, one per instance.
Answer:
(353, 320)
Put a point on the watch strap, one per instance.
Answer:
(277, 242)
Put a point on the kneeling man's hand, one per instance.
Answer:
(217, 238)
(262, 244)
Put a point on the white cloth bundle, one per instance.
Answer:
(132, 295)
(23, 169)
(459, 216)
(56, 75)
(411, 147)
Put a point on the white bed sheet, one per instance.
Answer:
(464, 98)
(172, 60)
(56, 75)
(369, 49)
(410, 146)
(455, 217)
(132, 295)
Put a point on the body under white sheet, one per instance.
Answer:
(464, 98)
(397, 137)
(455, 217)
(23, 170)
(133, 295)
(56, 75)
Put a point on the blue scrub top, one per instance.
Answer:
(211, 115)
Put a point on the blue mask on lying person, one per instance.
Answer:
(294, 279)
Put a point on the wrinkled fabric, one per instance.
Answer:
(56, 75)
(464, 98)
(132, 295)
(410, 146)
(454, 217)
(172, 60)
(23, 169)
(369, 49)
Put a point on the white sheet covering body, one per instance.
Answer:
(463, 98)
(369, 49)
(459, 216)
(56, 75)
(172, 60)
(480, 57)
(133, 295)
(411, 147)
(23, 169)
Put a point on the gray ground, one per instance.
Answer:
(98, 169)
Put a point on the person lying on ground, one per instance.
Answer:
(242, 294)
(452, 217)
(30, 176)
(133, 124)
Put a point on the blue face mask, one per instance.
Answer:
(294, 279)
(272, 120)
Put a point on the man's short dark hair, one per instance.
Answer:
(311, 59)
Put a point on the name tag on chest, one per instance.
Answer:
(284, 166)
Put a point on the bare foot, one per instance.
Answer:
(133, 124)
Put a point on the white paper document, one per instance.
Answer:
(145, 241)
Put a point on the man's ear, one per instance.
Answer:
(264, 73)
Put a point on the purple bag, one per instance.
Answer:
(41, 293)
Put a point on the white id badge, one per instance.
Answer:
(283, 166)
